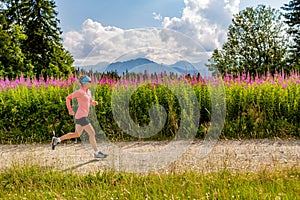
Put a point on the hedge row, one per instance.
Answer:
(257, 111)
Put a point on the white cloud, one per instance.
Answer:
(82, 44)
(157, 16)
(205, 22)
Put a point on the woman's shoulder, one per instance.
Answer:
(81, 91)
(78, 91)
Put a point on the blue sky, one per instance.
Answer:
(86, 24)
(128, 14)
(121, 13)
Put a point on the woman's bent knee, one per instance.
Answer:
(89, 129)
(76, 134)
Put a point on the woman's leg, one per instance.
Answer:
(90, 130)
(70, 135)
(76, 134)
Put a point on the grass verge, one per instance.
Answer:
(32, 182)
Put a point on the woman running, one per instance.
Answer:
(84, 98)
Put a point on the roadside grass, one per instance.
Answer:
(33, 182)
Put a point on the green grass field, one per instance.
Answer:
(32, 182)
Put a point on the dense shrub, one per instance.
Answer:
(263, 108)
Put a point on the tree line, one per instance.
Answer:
(259, 40)
(30, 40)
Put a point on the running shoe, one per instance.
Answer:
(55, 141)
(99, 154)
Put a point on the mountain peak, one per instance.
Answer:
(137, 61)
(144, 64)
(121, 67)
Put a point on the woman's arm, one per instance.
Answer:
(68, 101)
(94, 103)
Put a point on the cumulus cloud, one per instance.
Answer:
(205, 21)
(82, 44)
(201, 28)
(157, 16)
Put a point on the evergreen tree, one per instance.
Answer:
(11, 55)
(43, 47)
(292, 17)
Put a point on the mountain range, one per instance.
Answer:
(140, 65)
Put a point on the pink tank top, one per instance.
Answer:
(84, 98)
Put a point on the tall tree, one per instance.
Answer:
(43, 47)
(11, 55)
(255, 43)
(292, 17)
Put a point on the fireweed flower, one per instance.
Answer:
(229, 80)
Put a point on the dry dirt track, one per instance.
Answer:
(244, 155)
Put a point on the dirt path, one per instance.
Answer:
(245, 155)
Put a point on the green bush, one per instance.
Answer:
(262, 111)
(258, 111)
(31, 114)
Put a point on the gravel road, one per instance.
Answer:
(141, 157)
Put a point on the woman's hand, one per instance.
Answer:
(71, 112)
